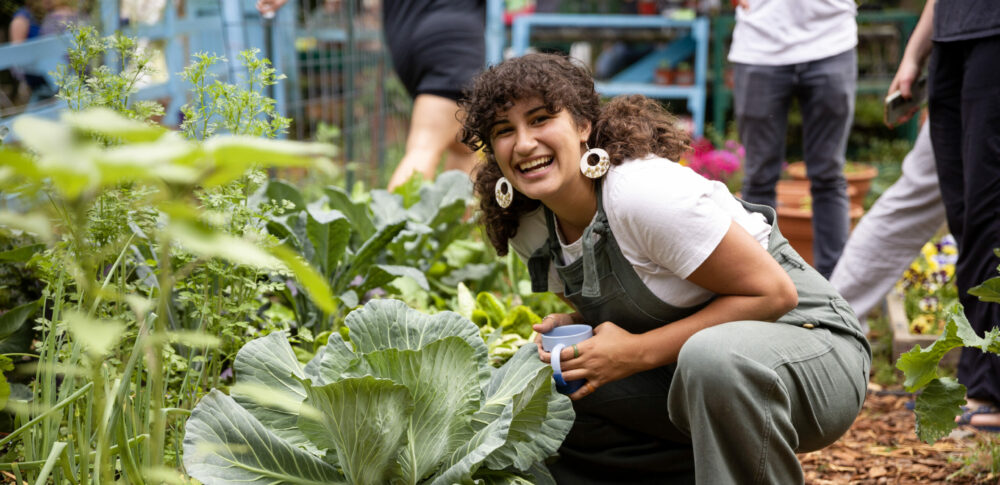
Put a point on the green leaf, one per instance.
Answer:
(106, 122)
(466, 302)
(375, 277)
(445, 393)
(191, 338)
(365, 420)
(919, 366)
(520, 321)
(541, 418)
(387, 209)
(936, 408)
(329, 232)
(21, 254)
(225, 444)
(234, 155)
(279, 190)
(33, 223)
(15, 330)
(170, 158)
(385, 324)
(988, 291)
(209, 243)
(5, 365)
(98, 336)
(493, 308)
(407, 271)
(314, 283)
(469, 457)
(480, 318)
(443, 201)
(330, 365)
(268, 386)
(357, 212)
(20, 163)
(371, 248)
(494, 477)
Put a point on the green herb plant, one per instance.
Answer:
(941, 398)
(97, 407)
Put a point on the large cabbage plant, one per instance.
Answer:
(410, 399)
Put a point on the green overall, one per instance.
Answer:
(742, 399)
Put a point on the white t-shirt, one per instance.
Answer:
(782, 32)
(667, 220)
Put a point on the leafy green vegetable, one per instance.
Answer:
(400, 403)
(938, 404)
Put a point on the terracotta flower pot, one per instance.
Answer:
(663, 76)
(795, 215)
(684, 77)
(859, 176)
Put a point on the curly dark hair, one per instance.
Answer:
(627, 127)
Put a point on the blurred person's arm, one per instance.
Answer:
(18, 29)
(269, 7)
(917, 51)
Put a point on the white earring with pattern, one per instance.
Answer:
(504, 192)
(595, 171)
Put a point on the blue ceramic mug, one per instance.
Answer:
(558, 339)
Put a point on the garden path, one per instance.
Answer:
(882, 448)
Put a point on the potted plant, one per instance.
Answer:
(859, 175)
(684, 74)
(917, 306)
(722, 164)
(663, 74)
(794, 207)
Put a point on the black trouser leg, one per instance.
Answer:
(965, 131)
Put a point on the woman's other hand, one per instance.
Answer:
(611, 354)
(549, 322)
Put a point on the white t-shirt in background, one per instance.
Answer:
(783, 32)
(667, 220)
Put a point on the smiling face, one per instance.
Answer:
(539, 152)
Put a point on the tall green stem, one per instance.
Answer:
(158, 425)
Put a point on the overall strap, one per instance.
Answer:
(591, 282)
(538, 263)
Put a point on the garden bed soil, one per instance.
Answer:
(882, 447)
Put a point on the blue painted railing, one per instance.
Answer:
(208, 26)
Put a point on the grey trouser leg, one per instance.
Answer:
(891, 233)
(825, 89)
(752, 394)
(826, 97)
(761, 98)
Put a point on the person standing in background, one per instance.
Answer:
(437, 47)
(962, 39)
(891, 233)
(784, 50)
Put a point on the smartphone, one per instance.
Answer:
(897, 108)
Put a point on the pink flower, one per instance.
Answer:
(716, 164)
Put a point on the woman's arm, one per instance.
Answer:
(749, 283)
(18, 29)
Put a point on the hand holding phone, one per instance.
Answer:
(898, 109)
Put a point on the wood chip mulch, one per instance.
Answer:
(882, 448)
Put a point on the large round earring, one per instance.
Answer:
(504, 192)
(595, 171)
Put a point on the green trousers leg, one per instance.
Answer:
(753, 394)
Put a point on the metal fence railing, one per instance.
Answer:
(339, 86)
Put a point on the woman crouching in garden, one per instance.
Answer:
(718, 353)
